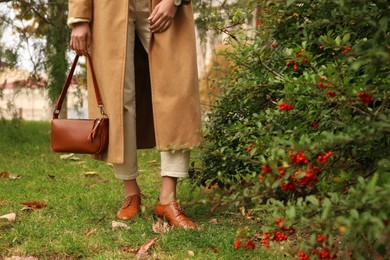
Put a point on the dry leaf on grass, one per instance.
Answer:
(142, 252)
(7, 175)
(90, 232)
(11, 217)
(90, 174)
(160, 227)
(34, 205)
(215, 250)
(2, 203)
(153, 162)
(214, 221)
(242, 210)
(4, 175)
(116, 224)
(70, 156)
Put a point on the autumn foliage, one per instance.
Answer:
(302, 127)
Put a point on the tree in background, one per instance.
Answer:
(44, 21)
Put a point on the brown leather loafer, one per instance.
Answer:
(130, 207)
(174, 214)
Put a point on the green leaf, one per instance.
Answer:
(313, 200)
(290, 212)
(354, 213)
(338, 40)
(289, 2)
(346, 37)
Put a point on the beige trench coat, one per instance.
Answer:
(169, 118)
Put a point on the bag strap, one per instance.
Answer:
(68, 80)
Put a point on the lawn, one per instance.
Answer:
(77, 199)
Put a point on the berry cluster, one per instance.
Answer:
(346, 50)
(248, 245)
(279, 234)
(285, 107)
(331, 94)
(314, 125)
(244, 234)
(266, 169)
(364, 97)
(322, 85)
(323, 158)
(299, 157)
(323, 250)
(289, 186)
(310, 176)
(302, 255)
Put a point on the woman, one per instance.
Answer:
(155, 104)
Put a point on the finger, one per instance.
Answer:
(166, 26)
(154, 16)
(156, 25)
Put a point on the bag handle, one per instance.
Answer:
(61, 98)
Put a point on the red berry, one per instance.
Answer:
(249, 245)
(295, 67)
(285, 107)
(237, 244)
(278, 220)
(273, 45)
(266, 169)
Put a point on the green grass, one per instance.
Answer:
(78, 203)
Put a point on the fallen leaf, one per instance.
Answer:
(14, 176)
(90, 232)
(215, 250)
(90, 174)
(4, 175)
(250, 214)
(7, 175)
(116, 224)
(191, 253)
(34, 205)
(11, 217)
(70, 156)
(130, 250)
(161, 227)
(214, 221)
(2, 203)
(142, 252)
(242, 209)
(154, 162)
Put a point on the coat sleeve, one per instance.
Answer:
(81, 9)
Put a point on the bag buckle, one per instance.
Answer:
(102, 111)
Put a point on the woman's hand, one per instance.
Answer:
(161, 17)
(80, 38)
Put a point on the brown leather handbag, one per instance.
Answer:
(84, 136)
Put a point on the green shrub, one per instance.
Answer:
(305, 115)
